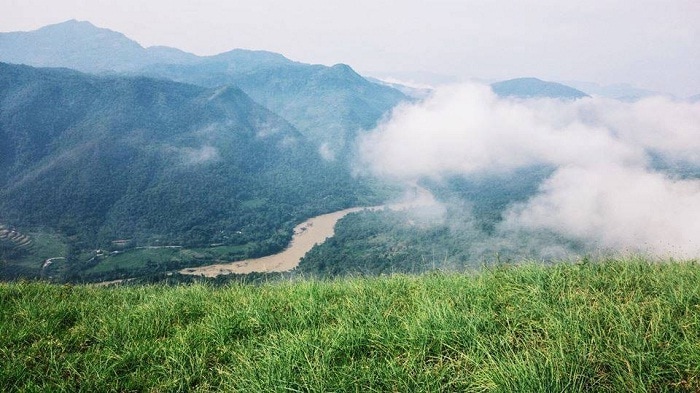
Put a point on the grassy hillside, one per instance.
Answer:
(612, 326)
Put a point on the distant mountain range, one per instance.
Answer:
(110, 157)
(621, 91)
(84, 47)
(416, 92)
(535, 88)
(329, 105)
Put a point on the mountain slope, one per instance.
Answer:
(105, 158)
(535, 88)
(327, 104)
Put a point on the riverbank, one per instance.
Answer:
(306, 235)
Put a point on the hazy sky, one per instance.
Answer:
(653, 44)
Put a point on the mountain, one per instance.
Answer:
(416, 92)
(695, 98)
(329, 105)
(620, 91)
(535, 88)
(84, 47)
(99, 159)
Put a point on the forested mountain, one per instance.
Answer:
(99, 159)
(533, 87)
(327, 104)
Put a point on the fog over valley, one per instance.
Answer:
(613, 182)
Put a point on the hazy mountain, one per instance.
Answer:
(695, 98)
(104, 158)
(417, 92)
(422, 78)
(533, 87)
(621, 91)
(327, 104)
(84, 47)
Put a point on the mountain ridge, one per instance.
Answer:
(82, 46)
(329, 105)
(529, 87)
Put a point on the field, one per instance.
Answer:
(617, 325)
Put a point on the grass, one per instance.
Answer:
(611, 326)
(135, 259)
(44, 245)
(139, 258)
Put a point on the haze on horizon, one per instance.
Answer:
(650, 44)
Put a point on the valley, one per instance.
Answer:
(165, 165)
(306, 235)
(366, 196)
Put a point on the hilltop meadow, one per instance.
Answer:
(615, 325)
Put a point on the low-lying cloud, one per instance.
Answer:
(607, 188)
(197, 156)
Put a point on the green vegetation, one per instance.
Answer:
(615, 326)
(31, 260)
(327, 104)
(101, 159)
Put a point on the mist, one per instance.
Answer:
(615, 184)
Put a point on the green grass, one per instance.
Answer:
(44, 245)
(611, 326)
(134, 259)
(140, 258)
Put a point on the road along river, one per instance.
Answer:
(306, 235)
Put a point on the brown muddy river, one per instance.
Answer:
(306, 235)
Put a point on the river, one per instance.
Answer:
(306, 235)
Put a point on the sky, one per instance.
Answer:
(651, 44)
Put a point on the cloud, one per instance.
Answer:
(604, 189)
(467, 129)
(197, 156)
(326, 152)
(618, 208)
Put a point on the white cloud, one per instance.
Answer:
(202, 155)
(602, 191)
(619, 208)
(326, 152)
